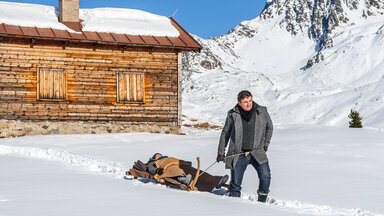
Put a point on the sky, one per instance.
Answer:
(204, 18)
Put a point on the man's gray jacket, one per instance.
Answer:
(233, 132)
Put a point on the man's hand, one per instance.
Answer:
(265, 148)
(220, 158)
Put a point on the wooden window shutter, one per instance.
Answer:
(130, 87)
(51, 84)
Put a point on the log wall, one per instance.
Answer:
(91, 82)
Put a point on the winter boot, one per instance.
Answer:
(262, 198)
(222, 181)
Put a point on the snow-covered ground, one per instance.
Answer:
(315, 171)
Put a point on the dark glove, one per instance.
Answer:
(265, 148)
(160, 171)
(139, 165)
(220, 158)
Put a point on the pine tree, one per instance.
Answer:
(355, 119)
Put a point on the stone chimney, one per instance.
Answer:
(69, 14)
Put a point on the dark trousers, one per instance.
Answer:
(237, 174)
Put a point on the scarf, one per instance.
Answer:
(246, 115)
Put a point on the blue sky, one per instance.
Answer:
(204, 18)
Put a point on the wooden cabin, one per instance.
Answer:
(55, 81)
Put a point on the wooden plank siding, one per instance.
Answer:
(91, 83)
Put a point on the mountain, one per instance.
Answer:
(308, 61)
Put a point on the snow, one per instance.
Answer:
(126, 21)
(110, 20)
(316, 170)
(275, 51)
(30, 15)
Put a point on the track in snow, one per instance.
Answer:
(310, 208)
(116, 170)
(112, 169)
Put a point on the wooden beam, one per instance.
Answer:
(179, 87)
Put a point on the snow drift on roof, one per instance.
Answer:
(110, 20)
(126, 21)
(30, 15)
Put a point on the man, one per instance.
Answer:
(248, 128)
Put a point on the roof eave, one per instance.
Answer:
(183, 32)
(182, 48)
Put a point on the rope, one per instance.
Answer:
(234, 155)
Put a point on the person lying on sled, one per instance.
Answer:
(176, 172)
(158, 163)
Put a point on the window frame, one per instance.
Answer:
(130, 73)
(39, 74)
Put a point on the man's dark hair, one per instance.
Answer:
(243, 94)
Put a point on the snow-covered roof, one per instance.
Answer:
(109, 20)
(30, 15)
(127, 21)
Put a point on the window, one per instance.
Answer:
(51, 84)
(130, 87)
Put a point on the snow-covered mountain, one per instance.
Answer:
(309, 61)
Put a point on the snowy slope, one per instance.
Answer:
(309, 61)
(315, 171)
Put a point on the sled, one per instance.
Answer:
(201, 182)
